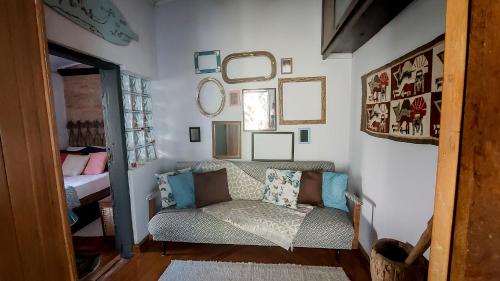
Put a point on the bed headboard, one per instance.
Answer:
(86, 133)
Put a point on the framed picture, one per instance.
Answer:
(272, 146)
(234, 98)
(294, 93)
(286, 66)
(259, 109)
(207, 62)
(304, 135)
(194, 134)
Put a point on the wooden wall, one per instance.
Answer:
(83, 96)
(476, 242)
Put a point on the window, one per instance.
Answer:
(137, 105)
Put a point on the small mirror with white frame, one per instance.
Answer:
(259, 109)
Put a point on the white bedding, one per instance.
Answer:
(87, 184)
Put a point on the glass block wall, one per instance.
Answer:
(137, 106)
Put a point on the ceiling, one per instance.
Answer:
(58, 63)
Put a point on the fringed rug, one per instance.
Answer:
(222, 271)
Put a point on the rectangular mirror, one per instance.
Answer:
(259, 110)
(226, 139)
(272, 146)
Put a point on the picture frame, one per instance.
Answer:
(294, 92)
(286, 66)
(273, 146)
(259, 109)
(207, 62)
(244, 55)
(234, 98)
(304, 136)
(194, 134)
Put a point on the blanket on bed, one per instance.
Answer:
(72, 199)
(276, 224)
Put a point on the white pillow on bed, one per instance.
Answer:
(74, 165)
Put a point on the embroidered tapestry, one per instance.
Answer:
(402, 100)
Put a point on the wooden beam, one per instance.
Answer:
(449, 140)
(78, 71)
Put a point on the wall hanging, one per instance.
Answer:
(286, 66)
(207, 61)
(294, 93)
(402, 100)
(252, 61)
(259, 109)
(101, 17)
(234, 98)
(304, 135)
(218, 98)
(226, 139)
(194, 134)
(272, 146)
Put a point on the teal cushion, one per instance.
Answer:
(334, 187)
(183, 189)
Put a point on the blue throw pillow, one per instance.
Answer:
(183, 189)
(334, 187)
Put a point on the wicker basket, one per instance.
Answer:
(387, 262)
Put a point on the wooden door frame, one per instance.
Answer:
(457, 27)
(115, 142)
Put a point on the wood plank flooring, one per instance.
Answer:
(149, 264)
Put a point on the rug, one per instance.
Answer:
(222, 271)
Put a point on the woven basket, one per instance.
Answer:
(387, 262)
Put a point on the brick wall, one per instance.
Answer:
(83, 96)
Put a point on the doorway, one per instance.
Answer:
(106, 211)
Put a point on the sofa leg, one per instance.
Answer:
(164, 248)
(337, 256)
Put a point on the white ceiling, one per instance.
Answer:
(58, 62)
(161, 2)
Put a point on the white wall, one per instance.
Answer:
(138, 56)
(141, 183)
(60, 109)
(395, 179)
(285, 28)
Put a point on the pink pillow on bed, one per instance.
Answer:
(96, 164)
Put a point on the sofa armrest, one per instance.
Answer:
(355, 210)
(151, 197)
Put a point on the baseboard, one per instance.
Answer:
(363, 252)
(136, 249)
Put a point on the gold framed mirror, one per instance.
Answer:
(226, 139)
(205, 104)
(244, 56)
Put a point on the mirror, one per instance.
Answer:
(210, 97)
(246, 65)
(259, 110)
(226, 139)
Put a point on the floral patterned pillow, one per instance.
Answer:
(282, 187)
(167, 197)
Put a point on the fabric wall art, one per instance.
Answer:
(402, 100)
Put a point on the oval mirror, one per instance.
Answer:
(210, 97)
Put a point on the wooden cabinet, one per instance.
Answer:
(108, 223)
(348, 24)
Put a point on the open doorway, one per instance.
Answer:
(88, 112)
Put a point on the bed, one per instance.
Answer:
(89, 188)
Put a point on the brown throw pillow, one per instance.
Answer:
(210, 188)
(311, 187)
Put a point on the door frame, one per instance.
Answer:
(113, 111)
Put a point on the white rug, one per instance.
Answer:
(230, 271)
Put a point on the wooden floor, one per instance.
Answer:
(105, 247)
(149, 264)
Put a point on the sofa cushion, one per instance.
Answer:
(210, 188)
(282, 187)
(311, 186)
(334, 187)
(322, 228)
(183, 189)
